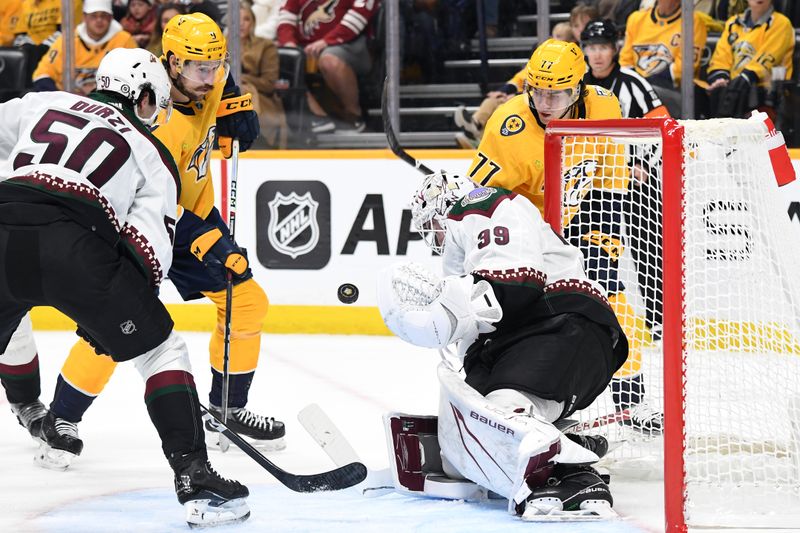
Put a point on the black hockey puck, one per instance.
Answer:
(347, 293)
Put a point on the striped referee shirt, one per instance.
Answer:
(635, 94)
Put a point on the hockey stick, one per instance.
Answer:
(333, 442)
(337, 479)
(580, 427)
(226, 341)
(388, 129)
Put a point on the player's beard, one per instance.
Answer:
(193, 96)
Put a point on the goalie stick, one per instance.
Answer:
(337, 479)
(333, 442)
(394, 144)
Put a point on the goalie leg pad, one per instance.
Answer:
(415, 461)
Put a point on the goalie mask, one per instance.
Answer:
(132, 72)
(432, 202)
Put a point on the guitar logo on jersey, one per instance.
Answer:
(293, 229)
(202, 156)
(322, 14)
(653, 58)
(512, 125)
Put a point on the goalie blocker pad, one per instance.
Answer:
(415, 463)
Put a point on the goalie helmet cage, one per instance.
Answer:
(726, 371)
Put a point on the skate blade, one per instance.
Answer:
(208, 513)
(550, 510)
(53, 459)
(274, 445)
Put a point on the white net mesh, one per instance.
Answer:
(741, 343)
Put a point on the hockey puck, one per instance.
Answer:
(347, 293)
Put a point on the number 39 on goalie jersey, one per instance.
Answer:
(500, 236)
(511, 153)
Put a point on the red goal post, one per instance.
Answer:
(678, 348)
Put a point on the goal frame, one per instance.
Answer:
(671, 134)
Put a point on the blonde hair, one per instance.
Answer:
(247, 6)
(582, 10)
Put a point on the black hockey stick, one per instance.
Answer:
(340, 478)
(394, 144)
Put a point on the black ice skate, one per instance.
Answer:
(264, 432)
(571, 493)
(629, 394)
(60, 443)
(209, 499)
(30, 415)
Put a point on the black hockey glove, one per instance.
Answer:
(735, 101)
(218, 252)
(236, 120)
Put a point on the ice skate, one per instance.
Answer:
(209, 499)
(629, 394)
(594, 443)
(60, 443)
(573, 493)
(30, 415)
(262, 431)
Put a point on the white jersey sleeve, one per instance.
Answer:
(100, 157)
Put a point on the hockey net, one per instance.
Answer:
(709, 295)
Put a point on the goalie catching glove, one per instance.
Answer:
(236, 120)
(425, 310)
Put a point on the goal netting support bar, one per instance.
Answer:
(684, 223)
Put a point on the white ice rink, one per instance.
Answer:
(122, 482)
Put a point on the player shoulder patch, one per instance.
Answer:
(477, 195)
(512, 125)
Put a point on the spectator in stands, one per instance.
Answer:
(579, 17)
(165, 13)
(755, 48)
(653, 48)
(260, 71)
(266, 12)
(38, 26)
(563, 32)
(9, 15)
(207, 7)
(94, 38)
(333, 38)
(421, 41)
(140, 21)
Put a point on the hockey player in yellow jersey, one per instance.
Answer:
(203, 97)
(95, 36)
(653, 43)
(750, 47)
(511, 156)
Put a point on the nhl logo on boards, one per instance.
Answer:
(512, 125)
(127, 327)
(293, 224)
(293, 228)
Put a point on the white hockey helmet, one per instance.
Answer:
(132, 71)
(432, 202)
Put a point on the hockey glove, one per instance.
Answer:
(236, 120)
(735, 101)
(215, 249)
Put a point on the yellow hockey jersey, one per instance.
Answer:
(653, 46)
(88, 54)
(756, 48)
(9, 16)
(511, 152)
(189, 136)
(42, 18)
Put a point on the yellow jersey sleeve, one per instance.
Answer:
(9, 17)
(50, 64)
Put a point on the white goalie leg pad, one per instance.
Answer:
(21, 348)
(171, 354)
(207, 513)
(427, 311)
(495, 445)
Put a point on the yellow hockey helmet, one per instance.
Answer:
(196, 40)
(555, 75)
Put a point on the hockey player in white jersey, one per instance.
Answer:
(88, 206)
(537, 338)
